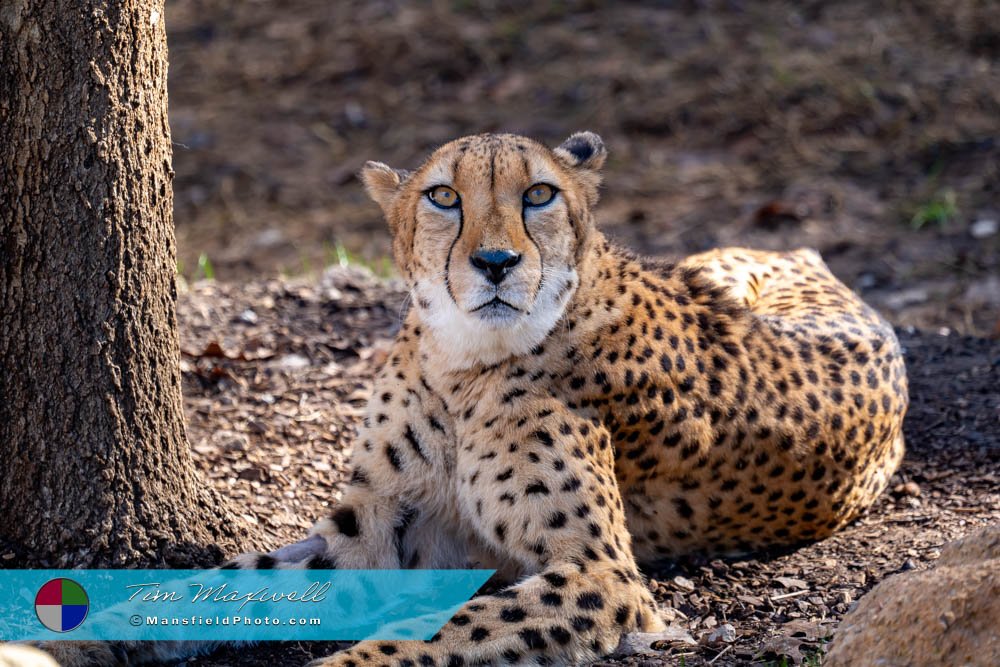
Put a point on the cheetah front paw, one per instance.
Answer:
(22, 655)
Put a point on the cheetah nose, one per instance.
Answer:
(495, 264)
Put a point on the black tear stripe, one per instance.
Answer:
(541, 257)
(451, 249)
(413, 243)
(411, 438)
(461, 225)
(407, 515)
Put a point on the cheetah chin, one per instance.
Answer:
(463, 339)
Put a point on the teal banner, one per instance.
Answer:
(231, 605)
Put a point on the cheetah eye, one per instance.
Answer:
(539, 194)
(443, 197)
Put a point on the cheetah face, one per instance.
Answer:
(489, 234)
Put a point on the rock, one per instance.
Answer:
(669, 615)
(18, 655)
(985, 292)
(724, 634)
(907, 297)
(230, 441)
(269, 238)
(984, 228)
(293, 362)
(947, 615)
(972, 549)
(866, 281)
(792, 583)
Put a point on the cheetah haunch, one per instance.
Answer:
(561, 410)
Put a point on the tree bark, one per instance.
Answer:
(95, 468)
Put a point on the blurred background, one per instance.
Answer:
(867, 130)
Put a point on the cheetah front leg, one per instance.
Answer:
(367, 531)
(394, 513)
(539, 485)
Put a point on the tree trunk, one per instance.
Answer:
(95, 468)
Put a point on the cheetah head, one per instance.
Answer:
(489, 233)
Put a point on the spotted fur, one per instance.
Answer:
(614, 412)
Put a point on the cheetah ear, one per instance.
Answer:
(583, 150)
(382, 183)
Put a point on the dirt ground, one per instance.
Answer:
(275, 374)
(869, 131)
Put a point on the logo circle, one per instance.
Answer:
(61, 605)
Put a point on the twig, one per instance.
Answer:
(719, 655)
(785, 596)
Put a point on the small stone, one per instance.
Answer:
(724, 634)
(257, 426)
(355, 114)
(683, 583)
(230, 441)
(293, 362)
(910, 489)
(792, 583)
(984, 292)
(867, 281)
(269, 238)
(668, 614)
(907, 297)
(984, 228)
(248, 316)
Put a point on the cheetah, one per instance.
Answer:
(563, 411)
